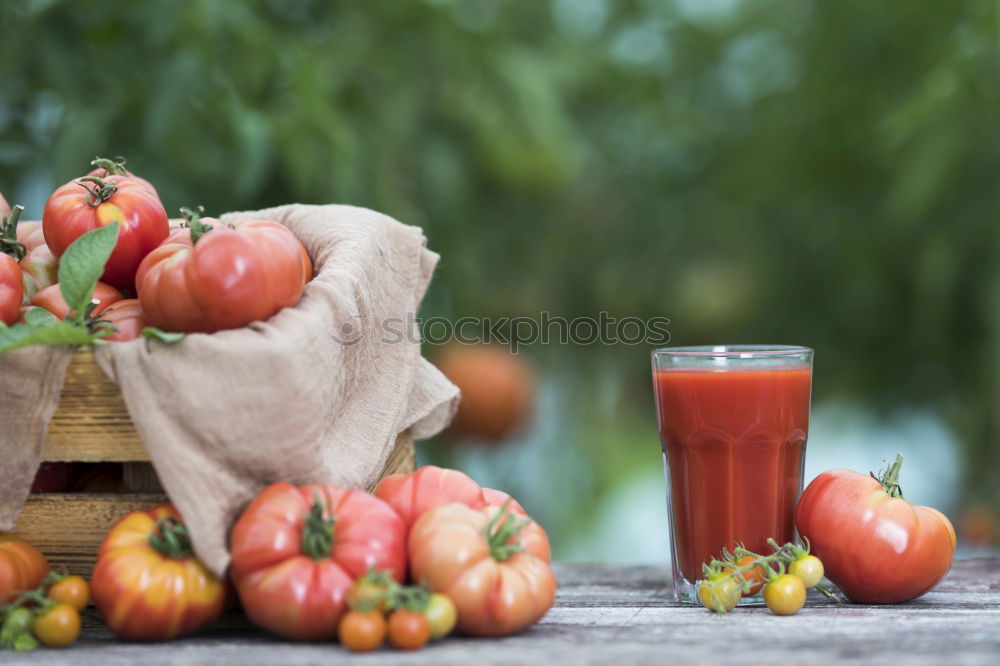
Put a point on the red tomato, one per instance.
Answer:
(409, 630)
(74, 209)
(4, 206)
(127, 317)
(51, 299)
(22, 568)
(227, 278)
(148, 584)
(296, 553)
(876, 546)
(30, 233)
(491, 565)
(430, 486)
(11, 281)
(11, 289)
(40, 269)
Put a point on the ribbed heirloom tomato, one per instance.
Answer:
(489, 561)
(51, 299)
(877, 547)
(296, 553)
(411, 495)
(126, 316)
(11, 280)
(220, 277)
(87, 203)
(148, 584)
(22, 568)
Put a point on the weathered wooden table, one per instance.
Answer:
(623, 615)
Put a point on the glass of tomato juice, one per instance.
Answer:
(733, 422)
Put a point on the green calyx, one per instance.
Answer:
(8, 234)
(170, 538)
(890, 478)
(317, 533)
(192, 217)
(111, 167)
(500, 530)
(99, 191)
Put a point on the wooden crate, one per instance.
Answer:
(91, 425)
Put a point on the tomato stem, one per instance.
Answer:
(170, 538)
(317, 532)
(8, 234)
(100, 192)
(193, 219)
(890, 478)
(500, 530)
(112, 167)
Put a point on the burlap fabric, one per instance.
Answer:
(316, 394)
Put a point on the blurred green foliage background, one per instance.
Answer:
(793, 171)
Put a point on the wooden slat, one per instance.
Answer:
(69, 528)
(91, 423)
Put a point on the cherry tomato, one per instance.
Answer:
(73, 210)
(362, 631)
(809, 568)
(70, 590)
(719, 593)
(51, 299)
(371, 592)
(442, 615)
(755, 577)
(408, 630)
(58, 626)
(785, 595)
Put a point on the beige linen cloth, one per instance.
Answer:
(316, 394)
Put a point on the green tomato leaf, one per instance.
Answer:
(59, 333)
(166, 337)
(39, 317)
(81, 266)
(25, 643)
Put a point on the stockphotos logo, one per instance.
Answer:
(514, 332)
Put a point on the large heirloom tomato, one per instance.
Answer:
(22, 568)
(430, 486)
(877, 547)
(148, 584)
(87, 203)
(490, 562)
(220, 277)
(296, 553)
(11, 280)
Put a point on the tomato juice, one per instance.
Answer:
(733, 431)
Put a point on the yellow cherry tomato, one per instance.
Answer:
(809, 568)
(70, 590)
(58, 626)
(785, 595)
(719, 593)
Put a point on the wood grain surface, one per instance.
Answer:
(624, 616)
(91, 423)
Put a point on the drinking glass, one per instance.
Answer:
(733, 422)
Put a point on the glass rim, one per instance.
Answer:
(733, 351)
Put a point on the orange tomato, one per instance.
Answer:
(148, 584)
(22, 567)
(491, 563)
